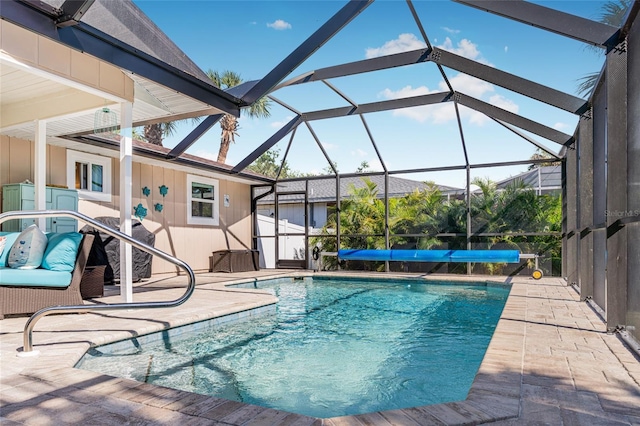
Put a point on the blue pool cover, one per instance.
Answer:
(484, 256)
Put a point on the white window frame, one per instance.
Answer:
(195, 220)
(74, 157)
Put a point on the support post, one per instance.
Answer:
(386, 217)
(276, 226)
(469, 230)
(616, 80)
(307, 258)
(338, 197)
(570, 201)
(584, 208)
(633, 180)
(40, 170)
(126, 204)
(598, 261)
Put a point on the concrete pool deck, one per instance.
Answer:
(550, 361)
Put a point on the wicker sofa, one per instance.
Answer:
(28, 291)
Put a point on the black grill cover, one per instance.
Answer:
(141, 260)
(98, 256)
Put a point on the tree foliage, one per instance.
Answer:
(443, 222)
(268, 164)
(543, 155)
(611, 13)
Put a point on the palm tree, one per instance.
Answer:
(229, 124)
(419, 212)
(155, 133)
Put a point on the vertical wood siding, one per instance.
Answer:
(191, 243)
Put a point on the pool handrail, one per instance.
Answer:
(27, 349)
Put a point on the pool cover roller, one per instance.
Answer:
(476, 256)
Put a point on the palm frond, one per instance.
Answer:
(613, 12)
(587, 83)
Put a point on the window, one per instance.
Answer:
(202, 201)
(90, 175)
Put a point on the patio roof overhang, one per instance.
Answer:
(89, 40)
(67, 94)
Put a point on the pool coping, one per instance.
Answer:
(496, 393)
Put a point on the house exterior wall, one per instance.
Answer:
(190, 243)
(318, 215)
(294, 213)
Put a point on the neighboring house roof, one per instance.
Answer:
(546, 177)
(324, 190)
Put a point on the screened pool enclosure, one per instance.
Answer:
(594, 242)
(585, 228)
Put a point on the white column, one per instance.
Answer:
(126, 205)
(40, 170)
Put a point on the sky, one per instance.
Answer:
(252, 37)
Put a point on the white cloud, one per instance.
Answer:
(445, 112)
(279, 24)
(480, 119)
(280, 124)
(375, 165)
(253, 23)
(451, 30)
(504, 103)
(506, 49)
(561, 126)
(464, 48)
(436, 113)
(403, 43)
(406, 91)
(213, 156)
(329, 146)
(468, 85)
(359, 153)
(463, 83)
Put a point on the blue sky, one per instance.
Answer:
(253, 37)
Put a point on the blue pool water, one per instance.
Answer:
(332, 348)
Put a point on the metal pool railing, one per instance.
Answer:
(31, 322)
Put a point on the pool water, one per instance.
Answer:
(333, 348)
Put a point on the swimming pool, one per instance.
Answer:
(333, 347)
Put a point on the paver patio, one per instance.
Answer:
(550, 361)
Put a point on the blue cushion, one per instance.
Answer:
(61, 252)
(11, 238)
(28, 249)
(34, 278)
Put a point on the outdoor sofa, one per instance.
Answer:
(55, 282)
